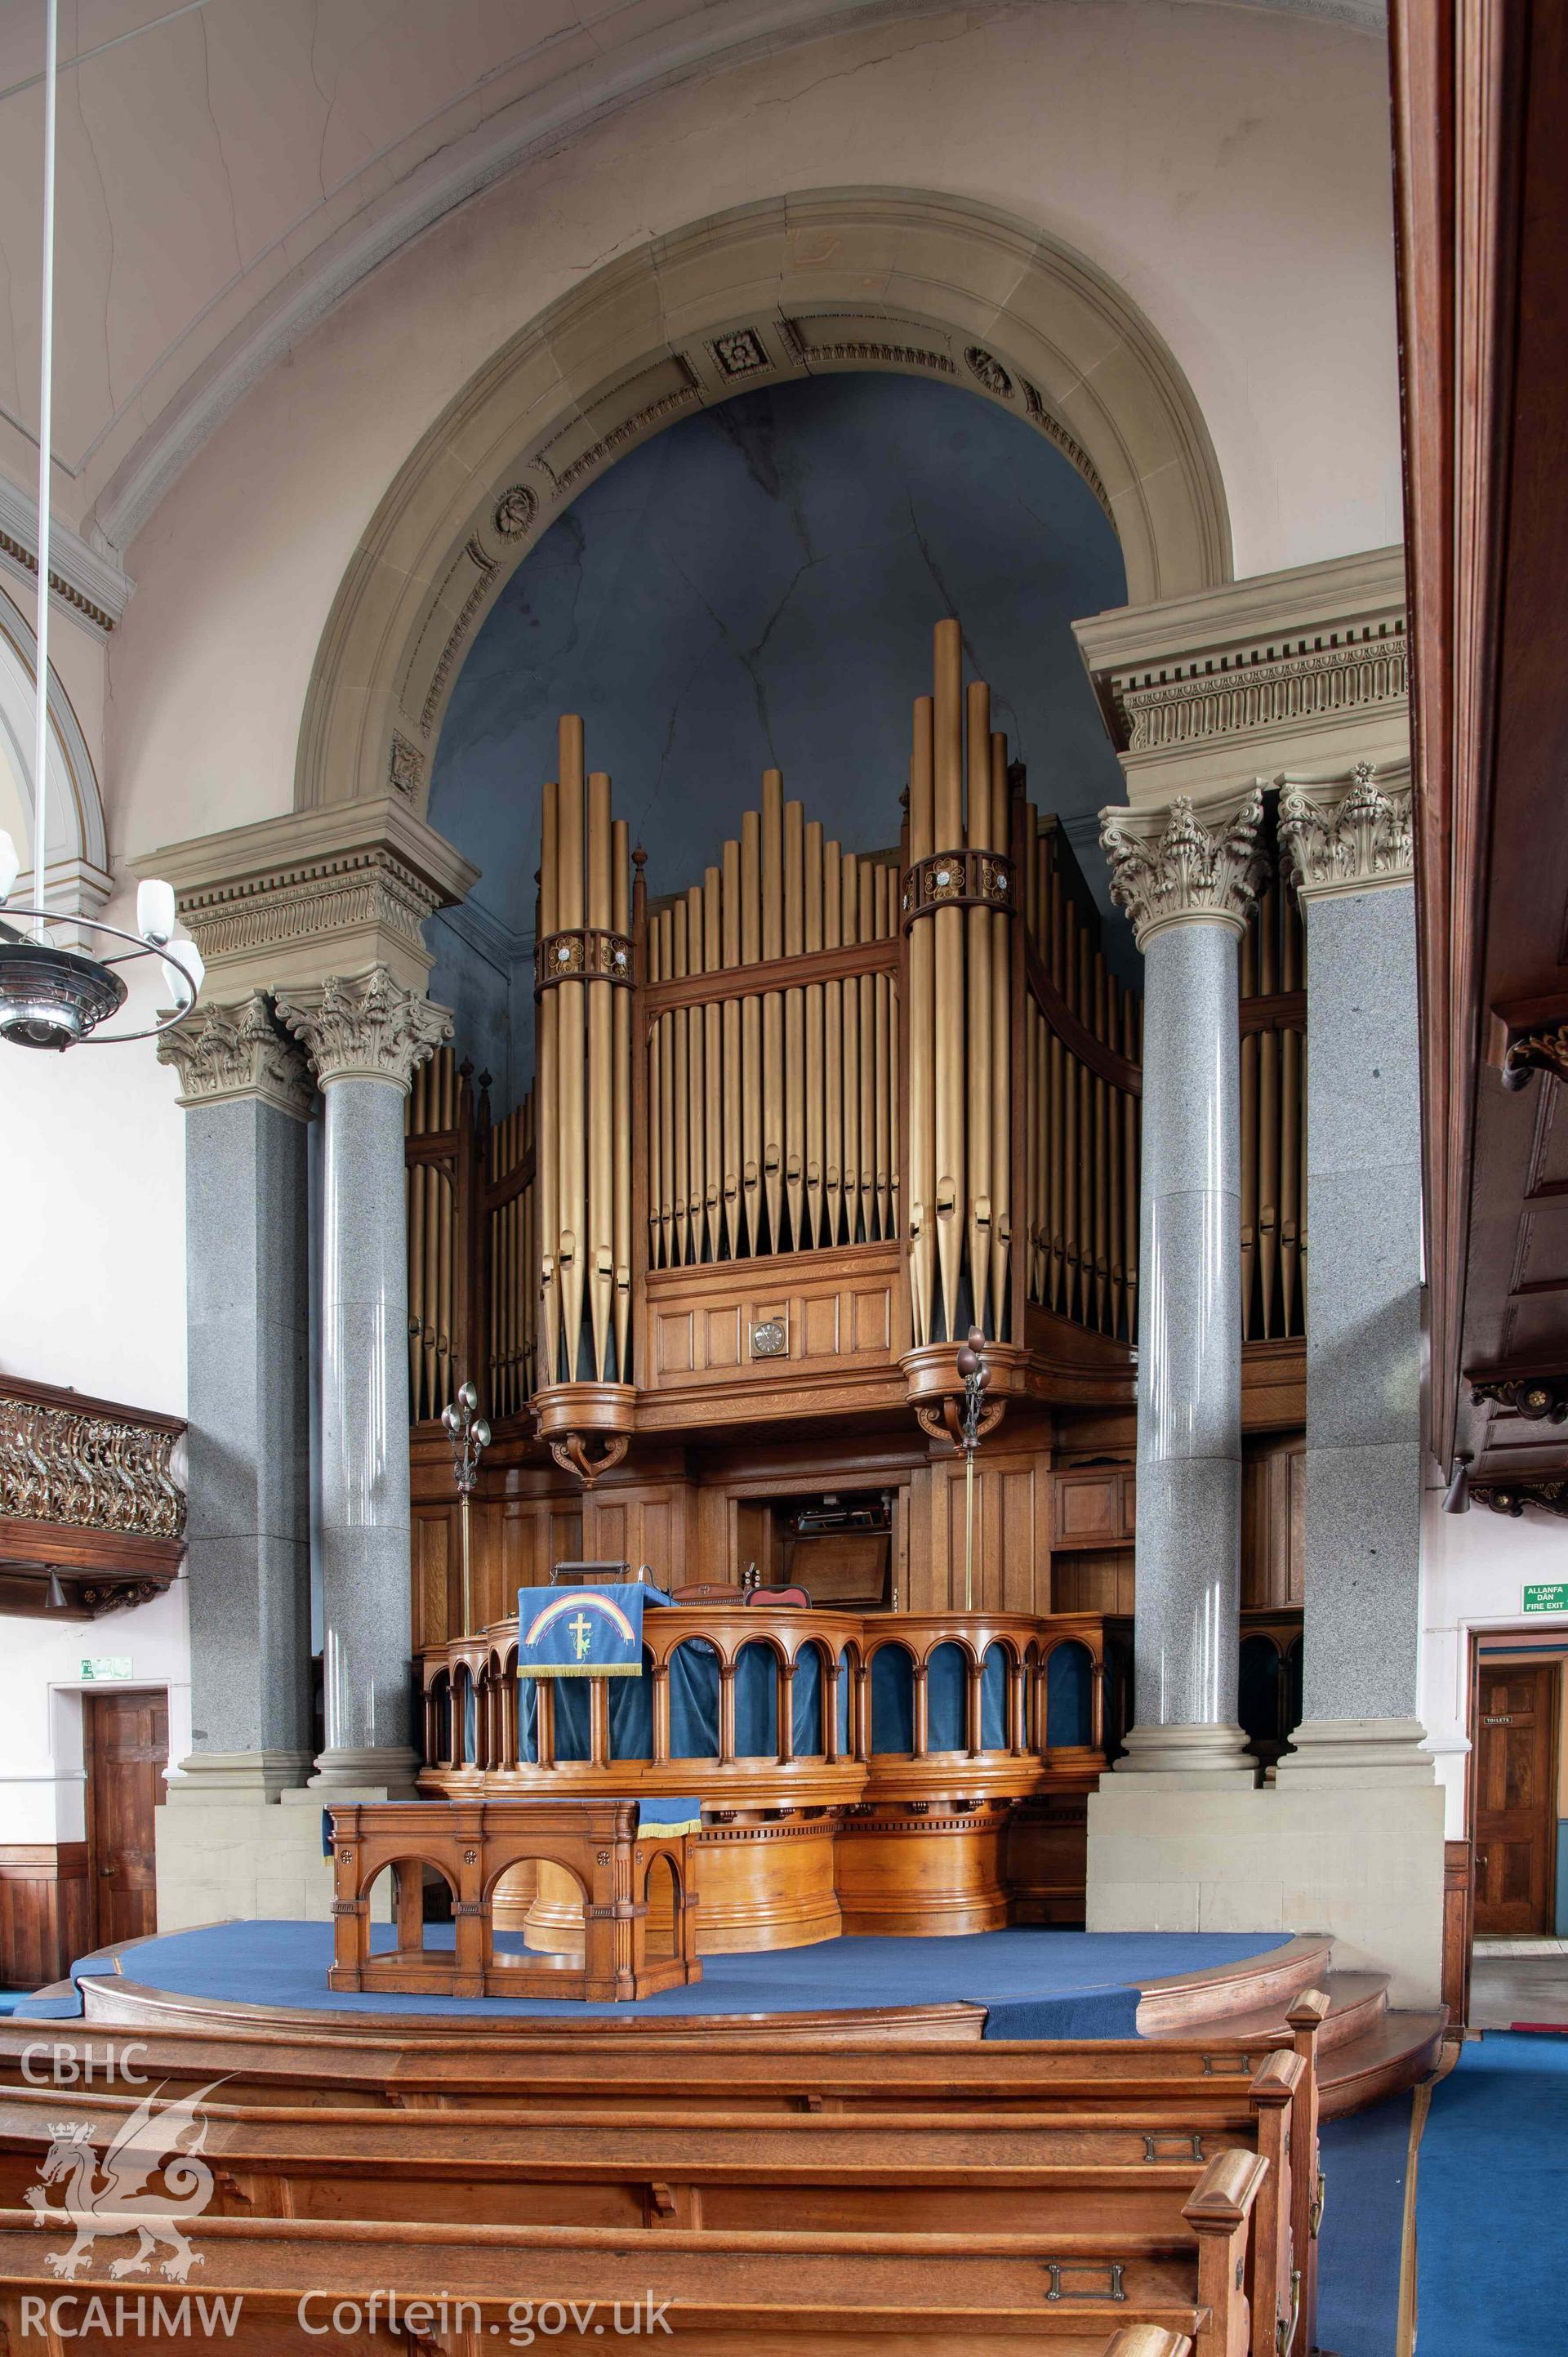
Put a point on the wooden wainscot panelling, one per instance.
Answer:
(1094, 1505)
(1458, 1932)
(436, 1572)
(641, 1524)
(1273, 1384)
(1013, 1531)
(46, 1913)
(1273, 1522)
(1101, 1579)
(749, 1339)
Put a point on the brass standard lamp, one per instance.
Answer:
(470, 1438)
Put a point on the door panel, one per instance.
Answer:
(127, 1753)
(1516, 1797)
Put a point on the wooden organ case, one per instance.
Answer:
(792, 1133)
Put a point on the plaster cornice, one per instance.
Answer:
(336, 892)
(87, 586)
(1304, 669)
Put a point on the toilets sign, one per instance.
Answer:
(1547, 1595)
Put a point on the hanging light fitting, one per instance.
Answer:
(52, 997)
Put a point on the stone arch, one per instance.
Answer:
(78, 853)
(886, 279)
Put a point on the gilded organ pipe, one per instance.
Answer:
(922, 1036)
(583, 1094)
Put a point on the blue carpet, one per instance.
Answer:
(1492, 2194)
(1364, 2160)
(1034, 1980)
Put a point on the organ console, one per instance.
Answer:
(793, 1131)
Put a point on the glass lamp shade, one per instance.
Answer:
(154, 911)
(51, 997)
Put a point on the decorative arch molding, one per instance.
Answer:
(78, 876)
(902, 281)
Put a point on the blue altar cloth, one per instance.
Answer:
(582, 1632)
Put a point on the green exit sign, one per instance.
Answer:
(101, 1667)
(1548, 1595)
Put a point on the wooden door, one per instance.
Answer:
(1515, 1796)
(127, 1752)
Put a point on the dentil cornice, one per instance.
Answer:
(339, 889)
(366, 1028)
(1348, 834)
(1191, 864)
(224, 1052)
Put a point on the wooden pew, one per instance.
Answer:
(722, 2293)
(1102, 2172)
(524, 2073)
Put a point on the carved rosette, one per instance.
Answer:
(366, 1028)
(224, 1052)
(1347, 836)
(958, 880)
(586, 951)
(1192, 864)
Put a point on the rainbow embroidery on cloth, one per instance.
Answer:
(580, 1632)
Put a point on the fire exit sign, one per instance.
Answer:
(97, 1668)
(1547, 1595)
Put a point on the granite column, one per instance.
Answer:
(1187, 877)
(365, 1038)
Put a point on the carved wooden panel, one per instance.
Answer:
(773, 1327)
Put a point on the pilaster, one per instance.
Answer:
(248, 1098)
(1348, 841)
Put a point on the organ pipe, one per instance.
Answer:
(824, 1049)
(584, 1092)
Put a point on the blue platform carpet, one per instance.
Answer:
(1364, 2160)
(1035, 1982)
(1491, 2197)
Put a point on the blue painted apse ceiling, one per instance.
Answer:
(757, 587)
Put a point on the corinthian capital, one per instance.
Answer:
(1192, 864)
(1348, 834)
(223, 1052)
(367, 1028)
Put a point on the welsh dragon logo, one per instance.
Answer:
(108, 2196)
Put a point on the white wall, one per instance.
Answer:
(1475, 1568)
(42, 1780)
(1229, 166)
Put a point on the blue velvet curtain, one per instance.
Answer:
(892, 1699)
(993, 1699)
(1070, 1676)
(846, 1702)
(756, 1703)
(806, 1719)
(527, 1720)
(470, 1718)
(694, 1701)
(946, 1676)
